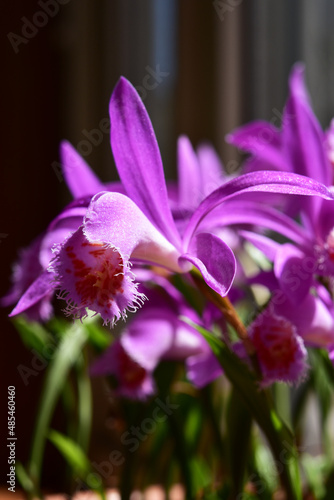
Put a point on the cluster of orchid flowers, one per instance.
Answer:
(117, 247)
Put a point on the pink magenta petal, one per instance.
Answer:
(80, 179)
(203, 368)
(214, 259)
(116, 220)
(138, 158)
(293, 273)
(302, 136)
(188, 174)
(40, 288)
(212, 170)
(313, 318)
(262, 181)
(248, 212)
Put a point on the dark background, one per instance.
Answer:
(227, 62)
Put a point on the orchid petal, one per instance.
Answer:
(80, 179)
(313, 319)
(212, 171)
(266, 245)
(138, 158)
(188, 174)
(94, 275)
(262, 181)
(203, 368)
(302, 136)
(248, 212)
(39, 289)
(214, 259)
(60, 228)
(291, 270)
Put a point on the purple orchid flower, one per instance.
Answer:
(296, 295)
(156, 333)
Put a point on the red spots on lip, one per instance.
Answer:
(97, 272)
(97, 253)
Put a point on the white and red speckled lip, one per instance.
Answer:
(94, 275)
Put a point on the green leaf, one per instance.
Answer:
(85, 404)
(23, 478)
(316, 468)
(98, 337)
(33, 335)
(64, 357)
(72, 453)
(261, 407)
(77, 460)
(239, 423)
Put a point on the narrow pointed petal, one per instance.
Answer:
(79, 177)
(262, 181)
(39, 289)
(248, 212)
(302, 136)
(214, 259)
(212, 170)
(188, 174)
(266, 245)
(138, 159)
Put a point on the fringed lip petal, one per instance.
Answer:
(138, 159)
(262, 181)
(214, 259)
(117, 221)
(65, 224)
(80, 179)
(95, 276)
(41, 287)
